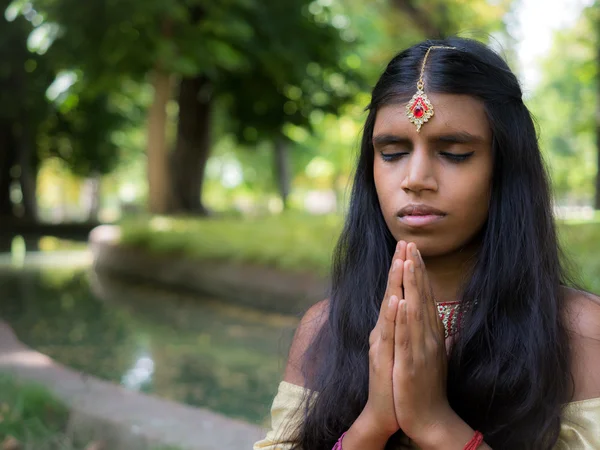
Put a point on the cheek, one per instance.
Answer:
(385, 188)
(473, 196)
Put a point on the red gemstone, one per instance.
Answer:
(419, 108)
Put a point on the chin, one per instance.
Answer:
(432, 246)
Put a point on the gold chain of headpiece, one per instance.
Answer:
(420, 82)
(419, 109)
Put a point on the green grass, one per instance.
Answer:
(34, 418)
(290, 242)
(302, 243)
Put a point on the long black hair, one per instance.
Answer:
(509, 369)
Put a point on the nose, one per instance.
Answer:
(419, 172)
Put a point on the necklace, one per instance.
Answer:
(451, 315)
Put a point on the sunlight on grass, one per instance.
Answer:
(290, 242)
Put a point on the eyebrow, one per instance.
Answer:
(461, 137)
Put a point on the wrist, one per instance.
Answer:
(365, 433)
(452, 433)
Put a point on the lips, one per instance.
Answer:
(420, 215)
(420, 210)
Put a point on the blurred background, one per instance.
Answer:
(208, 148)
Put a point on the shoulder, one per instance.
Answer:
(307, 330)
(583, 313)
(583, 325)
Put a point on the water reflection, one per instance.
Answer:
(198, 351)
(140, 375)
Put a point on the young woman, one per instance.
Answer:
(452, 322)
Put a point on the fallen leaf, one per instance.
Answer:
(10, 443)
(95, 445)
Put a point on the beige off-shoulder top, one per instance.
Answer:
(580, 428)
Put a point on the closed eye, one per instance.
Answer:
(455, 157)
(392, 156)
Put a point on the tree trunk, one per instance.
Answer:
(282, 169)
(193, 145)
(7, 161)
(28, 176)
(159, 192)
(91, 197)
(424, 20)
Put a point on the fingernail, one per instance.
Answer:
(412, 267)
(414, 251)
(390, 300)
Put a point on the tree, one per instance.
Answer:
(159, 177)
(273, 89)
(72, 126)
(24, 78)
(564, 102)
(289, 82)
(205, 45)
(441, 18)
(112, 44)
(268, 65)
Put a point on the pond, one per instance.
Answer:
(200, 351)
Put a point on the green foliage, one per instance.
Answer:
(299, 67)
(24, 78)
(564, 103)
(76, 126)
(81, 136)
(114, 39)
(273, 65)
(327, 134)
(258, 54)
(22, 74)
(441, 18)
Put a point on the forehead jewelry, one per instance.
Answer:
(419, 109)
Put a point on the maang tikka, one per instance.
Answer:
(419, 109)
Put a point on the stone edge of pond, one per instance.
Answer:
(261, 287)
(122, 419)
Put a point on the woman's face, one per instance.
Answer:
(434, 186)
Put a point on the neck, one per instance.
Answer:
(448, 273)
